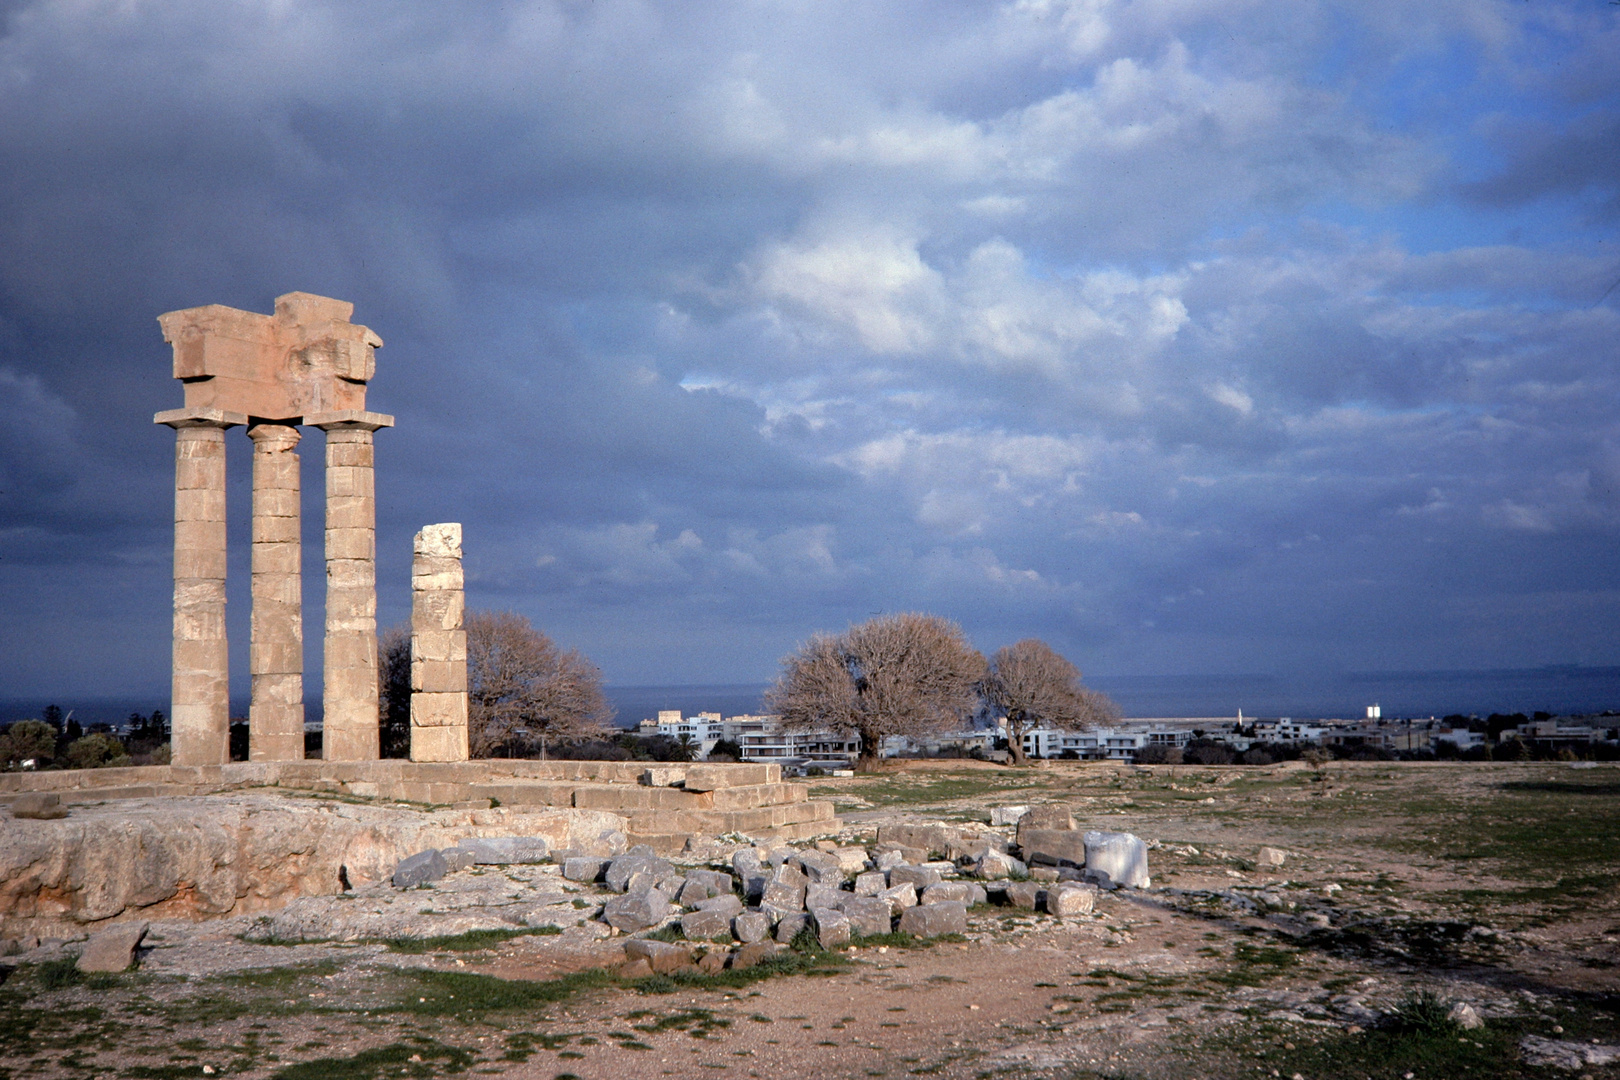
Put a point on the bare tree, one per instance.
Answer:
(524, 691)
(1034, 687)
(906, 674)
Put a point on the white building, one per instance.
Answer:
(761, 739)
(1120, 743)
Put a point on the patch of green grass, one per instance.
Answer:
(456, 993)
(418, 1058)
(279, 978)
(897, 940)
(1254, 965)
(471, 941)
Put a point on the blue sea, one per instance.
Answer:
(1557, 690)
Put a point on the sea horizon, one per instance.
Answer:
(1565, 689)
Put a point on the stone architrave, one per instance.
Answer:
(199, 711)
(305, 363)
(350, 697)
(276, 655)
(438, 647)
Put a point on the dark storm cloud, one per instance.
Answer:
(719, 325)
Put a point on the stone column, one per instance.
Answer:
(350, 696)
(438, 647)
(276, 714)
(200, 703)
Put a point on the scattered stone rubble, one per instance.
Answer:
(919, 880)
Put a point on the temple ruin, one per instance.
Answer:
(305, 365)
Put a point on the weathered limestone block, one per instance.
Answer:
(583, 868)
(706, 925)
(753, 953)
(852, 860)
(665, 958)
(663, 776)
(507, 850)
(1069, 899)
(626, 866)
(1045, 818)
(948, 891)
(38, 805)
(438, 647)
(751, 926)
(112, 949)
(1007, 815)
(995, 865)
(871, 883)
(919, 877)
(868, 916)
(702, 884)
(636, 910)
(727, 905)
(933, 920)
(900, 897)
(419, 869)
(831, 927)
(935, 839)
(1053, 847)
(1115, 859)
(350, 692)
(789, 925)
(1024, 894)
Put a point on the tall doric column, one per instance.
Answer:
(200, 705)
(438, 647)
(276, 714)
(350, 697)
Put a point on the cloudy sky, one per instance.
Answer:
(1238, 336)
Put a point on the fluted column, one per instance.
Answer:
(350, 696)
(200, 703)
(276, 713)
(438, 647)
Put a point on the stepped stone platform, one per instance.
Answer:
(664, 804)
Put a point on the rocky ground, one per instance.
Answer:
(1402, 892)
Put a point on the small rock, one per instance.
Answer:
(664, 957)
(887, 860)
(712, 963)
(1270, 856)
(457, 858)
(584, 868)
(1464, 1016)
(638, 968)
(112, 949)
(419, 869)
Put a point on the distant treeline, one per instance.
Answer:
(55, 741)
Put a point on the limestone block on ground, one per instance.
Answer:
(932, 920)
(1566, 1053)
(1007, 815)
(1071, 899)
(899, 897)
(751, 926)
(706, 925)
(622, 868)
(940, 892)
(919, 877)
(419, 869)
(785, 889)
(1023, 894)
(890, 858)
(727, 905)
(868, 915)
(663, 776)
(1116, 859)
(824, 896)
(636, 910)
(871, 883)
(852, 860)
(457, 858)
(635, 969)
(112, 949)
(1053, 847)
(1270, 856)
(1045, 818)
(507, 850)
(933, 838)
(39, 805)
(1044, 873)
(708, 882)
(995, 865)
(820, 867)
(712, 962)
(583, 868)
(831, 927)
(789, 925)
(663, 957)
(753, 953)
(746, 863)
